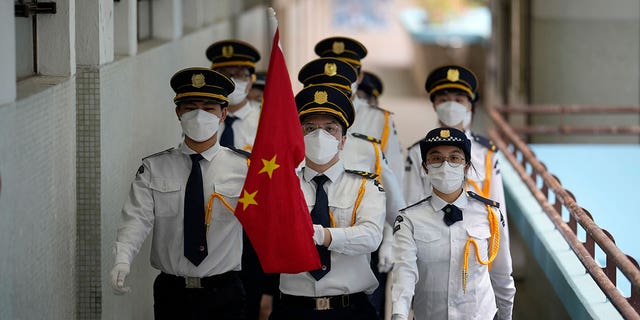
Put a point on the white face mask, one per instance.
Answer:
(239, 93)
(446, 178)
(358, 103)
(452, 113)
(199, 125)
(320, 147)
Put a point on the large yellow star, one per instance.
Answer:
(248, 199)
(269, 166)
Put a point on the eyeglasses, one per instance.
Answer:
(437, 160)
(331, 128)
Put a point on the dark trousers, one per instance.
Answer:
(222, 297)
(378, 297)
(359, 309)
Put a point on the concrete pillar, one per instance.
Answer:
(167, 19)
(125, 26)
(94, 39)
(7, 53)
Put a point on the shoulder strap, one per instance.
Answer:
(417, 203)
(483, 199)
(243, 153)
(365, 174)
(365, 137)
(158, 153)
(485, 142)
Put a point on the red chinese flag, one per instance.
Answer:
(272, 208)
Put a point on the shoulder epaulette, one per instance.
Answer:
(243, 153)
(483, 199)
(365, 174)
(417, 203)
(158, 153)
(366, 137)
(487, 143)
(381, 109)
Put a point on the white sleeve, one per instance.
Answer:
(393, 152)
(366, 234)
(405, 268)
(395, 200)
(138, 218)
(415, 180)
(500, 273)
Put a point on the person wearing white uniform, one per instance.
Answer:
(236, 60)
(371, 120)
(186, 197)
(347, 209)
(451, 254)
(453, 92)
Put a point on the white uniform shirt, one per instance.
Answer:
(360, 154)
(350, 245)
(246, 126)
(417, 185)
(156, 201)
(429, 261)
(370, 121)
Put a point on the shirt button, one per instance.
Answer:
(324, 268)
(201, 248)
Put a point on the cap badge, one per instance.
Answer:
(453, 75)
(320, 97)
(197, 80)
(330, 69)
(227, 51)
(338, 47)
(445, 133)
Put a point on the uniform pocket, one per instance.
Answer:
(220, 212)
(480, 234)
(167, 197)
(430, 245)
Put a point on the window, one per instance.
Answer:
(145, 20)
(26, 28)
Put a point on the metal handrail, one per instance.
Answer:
(628, 308)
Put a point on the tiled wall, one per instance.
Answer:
(38, 205)
(88, 192)
(136, 119)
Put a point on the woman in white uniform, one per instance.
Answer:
(451, 257)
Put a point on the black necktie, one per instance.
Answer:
(226, 139)
(320, 215)
(195, 233)
(452, 214)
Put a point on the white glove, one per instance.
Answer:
(397, 316)
(385, 252)
(385, 257)
(318, 234)
(118, 274)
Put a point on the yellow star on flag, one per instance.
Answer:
(248, 199)
(269, 166)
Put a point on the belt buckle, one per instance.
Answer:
(323, 303)
(192, 283)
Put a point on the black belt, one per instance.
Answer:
(218, 280)
(323, 303)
